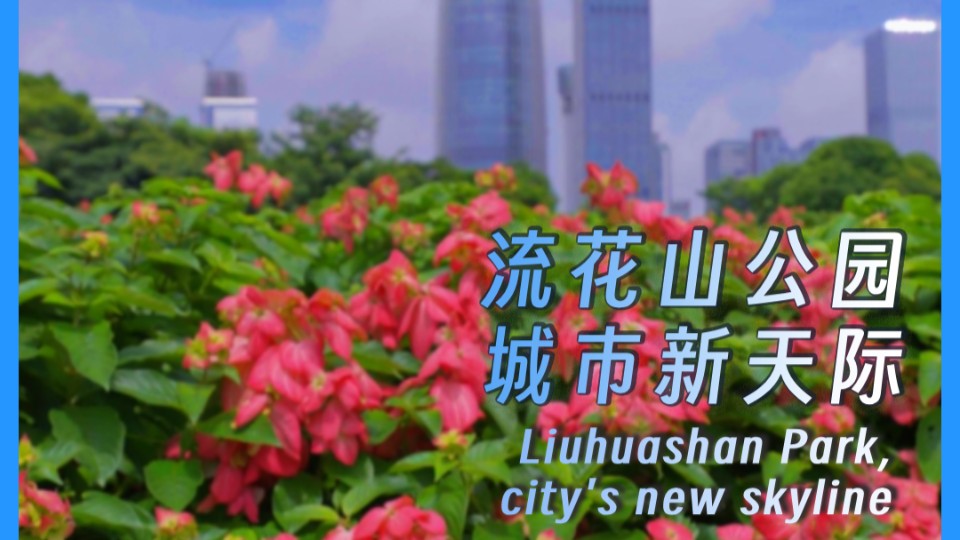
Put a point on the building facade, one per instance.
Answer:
(226, 105)
(727, 159)
(491, 98)
(768, 149)
(230, 113)
(903, 85)
(612, 91)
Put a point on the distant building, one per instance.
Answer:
(567, 184)
(653, 187)
(768, 149)
(612, 116)
(230, 113)
(903, 85)
(225, 83)
(491, 99)
(807, 147)
(727, 159)
(107, 108)
(226, 105)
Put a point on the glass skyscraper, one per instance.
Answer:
(491, 101)
(903, 85)
(612, 90)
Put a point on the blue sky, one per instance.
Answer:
(721, 67)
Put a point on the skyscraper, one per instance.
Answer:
(727, 159)
(612, 90)
(768, 149)
(903, 85)
(566, 185)
(491, 104)
(226, 105)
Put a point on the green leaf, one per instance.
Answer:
(926, 326)
(148, 386)
(928, 446)
(380, 425)
(371, 489)
(297, 501)
(140, 297)
(505, 416)
(449, 497)
(487, 460)
(153, 349)
(101, 511)
(193, 399)
(33, 288)
(97, 432)
(176, 257)
(417, 461)
(294, 263)
(259, 431)
(928, 377)
(375, 359)
(173, 483)
(90, 349)
(158, 389)
(694, 473)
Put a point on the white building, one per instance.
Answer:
(107, 108)
(229, 113)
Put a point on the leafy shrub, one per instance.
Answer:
(194, 367)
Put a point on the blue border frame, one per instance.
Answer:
(951, 289)
(10, 274)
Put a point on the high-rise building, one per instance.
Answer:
(727, 159)
(903, 85)
(612, 89)
(653, 187)
(566, 185)
(226, 105)
(664, 169)
(491, 100)
(230, 113)
(768, 149)
(107, 108)
(225, 83)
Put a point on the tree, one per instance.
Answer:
(88, 155)
(833, 171)
(327, 146)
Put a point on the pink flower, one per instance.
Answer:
(42, 513)
(499, 177)
(385, 191)
(145, 213)
(664, 529)
(486, 213)
(224, 170)
(608, 190)
(736, 531)
(572, 224)
(27, 155)
(408, 236)
(399, 519)
(348, 218)
(172, 525)
(830, 419)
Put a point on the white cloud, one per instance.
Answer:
(683, 27)
(827, 96)
(379, 54)
(712, 121)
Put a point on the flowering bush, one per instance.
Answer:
(197, 363)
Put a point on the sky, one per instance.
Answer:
(721, 67)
